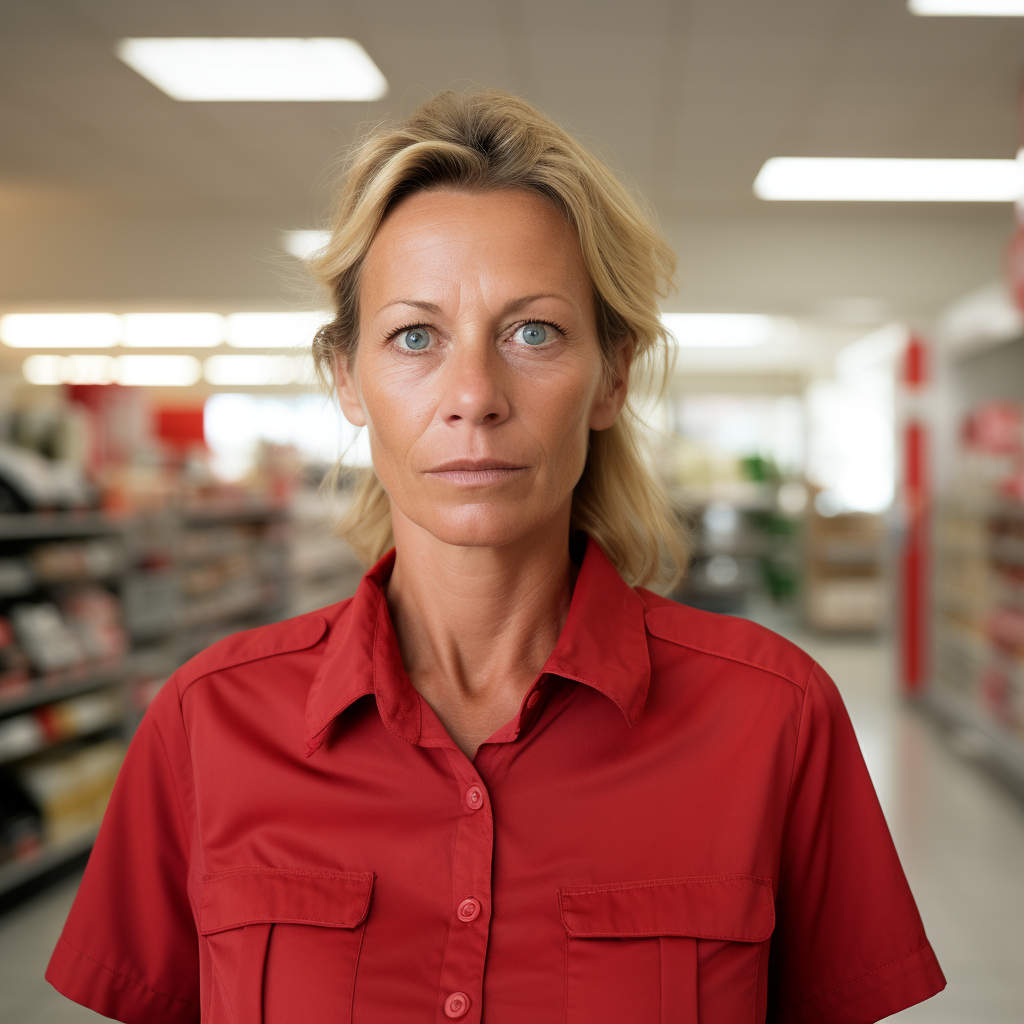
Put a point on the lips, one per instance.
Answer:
(476, 472)
(473, 466)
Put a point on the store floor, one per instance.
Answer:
(961, 837)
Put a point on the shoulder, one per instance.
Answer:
(726, 638)
(278, 639)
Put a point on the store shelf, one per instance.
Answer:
(18, 872)
(46, 525)
(1002, 746)
(69, 683)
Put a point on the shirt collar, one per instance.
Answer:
(603, 644)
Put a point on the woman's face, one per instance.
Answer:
(478, 372)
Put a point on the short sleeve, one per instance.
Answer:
(849, 946)
(129, 949)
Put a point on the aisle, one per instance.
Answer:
(960, 835)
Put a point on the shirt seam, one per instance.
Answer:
(248, 659)
(118, 974)
(726, 657)
(855, 981)
(796, 744)
(650, 883)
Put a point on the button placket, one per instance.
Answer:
(462, 970)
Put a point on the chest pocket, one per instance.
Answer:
(667, 951)
(284, 945)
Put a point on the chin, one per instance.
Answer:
(475, 527)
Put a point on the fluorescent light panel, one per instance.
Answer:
(60, 330)
(304, 244)
(131, 370)
(273, 330)
(855, 179)
(263, 70)
(257, 371)
(173, 330)
(968, 8)
(719, 330)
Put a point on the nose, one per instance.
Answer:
(474, 387)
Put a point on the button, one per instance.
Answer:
(469, 910)
(474, 798)
(456, 1005)
(532, 699)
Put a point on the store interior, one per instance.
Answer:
(842, 435)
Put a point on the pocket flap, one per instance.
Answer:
(328, 899)
(733, 908)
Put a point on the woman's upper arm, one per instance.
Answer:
(849, 945)
(129, 949)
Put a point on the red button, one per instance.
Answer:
(532, 699)
(474, 798)
(456, 1005)
(469, 909)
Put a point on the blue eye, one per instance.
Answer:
(415, 339)
(534, 334)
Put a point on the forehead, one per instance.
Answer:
(499, 241)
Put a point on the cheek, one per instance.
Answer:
(562, 416)
(400, 405)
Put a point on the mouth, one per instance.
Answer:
(476, 472)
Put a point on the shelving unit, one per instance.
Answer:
(183, 579)
(845, 583)
(977, 678)
(63, 681)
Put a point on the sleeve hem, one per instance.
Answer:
(873, 996)
(93, 984)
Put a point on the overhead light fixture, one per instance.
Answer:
(273, 330)
(60, 330)
(132, 370)
(263, 70)
(856, 179)
(173, 330)
(968, 8)
(719, 330)
(53, 369)
(158, 371)
(248, 371)
(304, 244)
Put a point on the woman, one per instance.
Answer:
(503, 782)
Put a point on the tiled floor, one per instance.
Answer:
(960, 835)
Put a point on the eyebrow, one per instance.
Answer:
(512, 307)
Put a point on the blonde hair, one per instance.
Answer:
(489, 140)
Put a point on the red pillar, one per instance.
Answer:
(915, 560)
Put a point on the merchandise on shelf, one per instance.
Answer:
(21, 823)
(72, 787)
(845, 584)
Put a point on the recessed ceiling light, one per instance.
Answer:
(304, 244)
(145, 371)
(173, 330)
(251, 371)
(855, 179)
(968, 8)
(83, 369)
(719, 330)
(273, 330)
(60, 330)
(267, 70)
(158, 371)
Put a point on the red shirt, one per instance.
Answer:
(677, 826)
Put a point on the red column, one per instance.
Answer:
(915, 560)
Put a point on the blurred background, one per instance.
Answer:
(843, 435)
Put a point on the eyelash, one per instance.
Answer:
(515, 327)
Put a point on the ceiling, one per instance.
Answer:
(113, 195)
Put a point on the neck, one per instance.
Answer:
(475, 625)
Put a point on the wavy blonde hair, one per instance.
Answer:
(490, 140)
